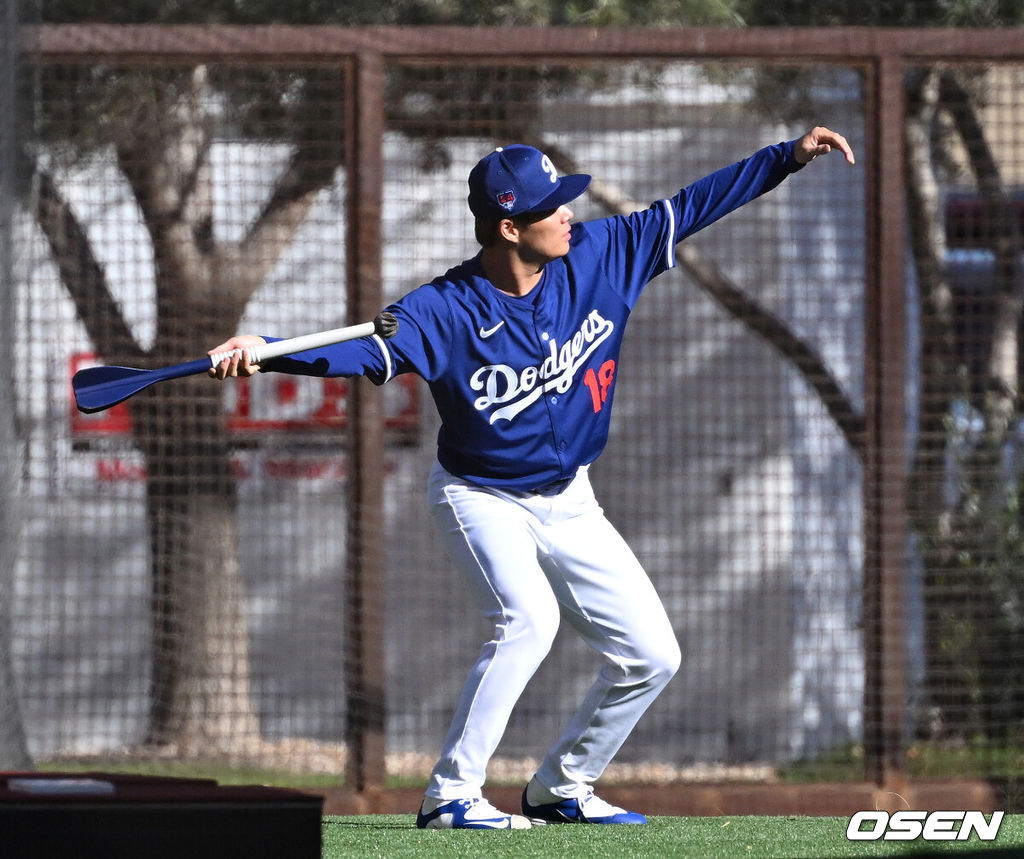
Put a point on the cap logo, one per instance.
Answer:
(507, 199)
(549, 168)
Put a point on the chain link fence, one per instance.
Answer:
(183, 584)
(13, 747)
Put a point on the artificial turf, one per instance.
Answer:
(759, 837)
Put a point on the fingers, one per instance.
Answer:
(837, 141)
(234, 365)
(236, 361)
(821, 141)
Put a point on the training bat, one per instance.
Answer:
(99, 388)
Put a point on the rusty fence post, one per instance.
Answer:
(365, 559)
(885, 469)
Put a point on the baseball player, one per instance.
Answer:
(520, 348)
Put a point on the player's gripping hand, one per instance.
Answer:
(821, 141)
(238, 364)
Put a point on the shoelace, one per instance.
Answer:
(594, 806)
(482, 806)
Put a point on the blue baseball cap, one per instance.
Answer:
(517, 179)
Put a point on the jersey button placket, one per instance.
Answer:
(560, 445)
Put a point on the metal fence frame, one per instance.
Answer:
(882, 54)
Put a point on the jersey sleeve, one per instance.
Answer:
(725, 190)
(364, 357)
(420, 345)
(641, 246)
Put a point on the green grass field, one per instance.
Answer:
(387, 836)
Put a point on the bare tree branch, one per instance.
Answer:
(82, 275)
(1003, 234)
(248, 264)
(319, 121)
(938, 348)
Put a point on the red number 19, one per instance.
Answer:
(599, 383)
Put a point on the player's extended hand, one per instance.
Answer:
(820, 141)
(238, 364)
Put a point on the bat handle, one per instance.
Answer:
(217, 357)
(385, 325)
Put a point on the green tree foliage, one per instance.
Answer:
(600, 13)
(880, 13)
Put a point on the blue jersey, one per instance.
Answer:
(524, 386)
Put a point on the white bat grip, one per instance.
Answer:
(265, 351)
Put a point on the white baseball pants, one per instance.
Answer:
(529, 559)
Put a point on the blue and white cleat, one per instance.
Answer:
(582, 809)
(473, 813)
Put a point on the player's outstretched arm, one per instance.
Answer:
(820, 141)
(236, 365)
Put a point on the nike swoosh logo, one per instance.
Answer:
(487, 332)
